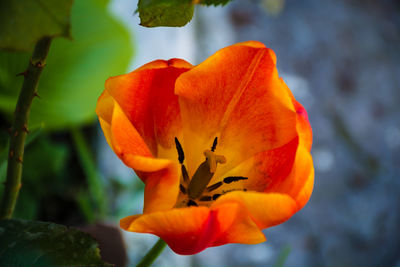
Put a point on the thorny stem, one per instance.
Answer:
(19, 128)
(152, 255)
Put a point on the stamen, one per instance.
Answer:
(205, 198)
(232, 190)
(181, 155)
(192, 203)
(215, 196)
(231, 179)
(214, 186)
(185, 174)
(214, 146)
(182, 188)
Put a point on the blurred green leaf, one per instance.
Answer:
(27, 206)
(44, 161)
(30, 243)
(85, 205)
(23, 23)
(214, 2)
(172, 13)
(4, 137)
(10, 65)
(76, 69)
(282, 257)
(93, 177)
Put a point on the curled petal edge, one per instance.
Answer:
(237, 217)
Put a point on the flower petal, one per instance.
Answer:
(236, 226)
(146, 97)
(303, 125)
(265, 209)
(161, 176)
(238, 95)
(186, 231)
(262, 169)
(299, 183)
(139, 114)
(190, 230)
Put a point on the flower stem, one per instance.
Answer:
(19, 128)
(152, 255)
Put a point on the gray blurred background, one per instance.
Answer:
(341, 59)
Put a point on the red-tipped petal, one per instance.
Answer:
(235, 94)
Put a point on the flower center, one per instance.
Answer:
(196, 189)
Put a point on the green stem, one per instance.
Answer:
(19, 129)
(152, 255)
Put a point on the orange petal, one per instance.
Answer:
(186, 231)
(303, 125)
(299, 183)
(146, 97)
(125, 139)
(236, 225)
(139, 115)
(262, 169)
(190, 230)
(238, 96)
(265, 209)
(161, 176)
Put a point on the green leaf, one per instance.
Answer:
(44, 164)
(44, 161)
(10, 65)
(282, 257)
(76, 69)
(32, 243)
(23, 23)
(214, 2)
(171, 13)
(93, 178)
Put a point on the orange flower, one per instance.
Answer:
(222, 147)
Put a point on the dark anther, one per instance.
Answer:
(181, 155)
(215, 196)
(191, 203)
(206, 198)
(185, 174)
(214, 146)
(182, 188)
(231, 179)
(214, 186)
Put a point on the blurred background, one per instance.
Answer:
(341, 59)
